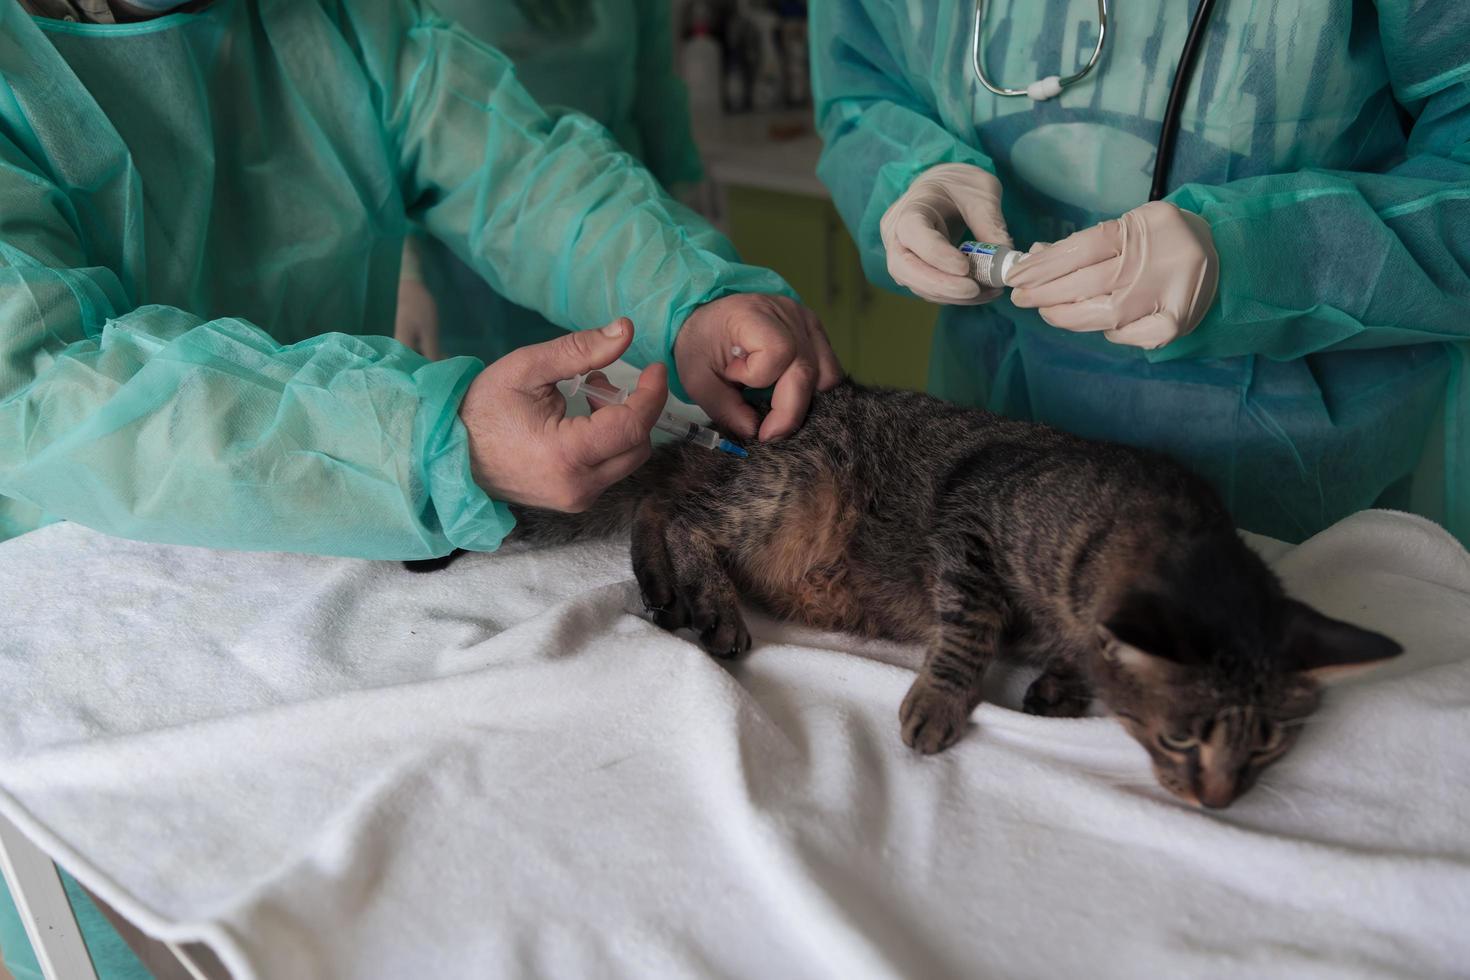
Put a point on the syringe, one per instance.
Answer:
(603, 393)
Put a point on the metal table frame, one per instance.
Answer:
(46, 912)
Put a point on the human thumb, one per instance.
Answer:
(578, 352)
(984, 219)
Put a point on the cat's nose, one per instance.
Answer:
(1216, 794)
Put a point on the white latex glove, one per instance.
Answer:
(921, 228)
(1145, 279)
(416, 324)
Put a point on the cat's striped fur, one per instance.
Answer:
(894, 514)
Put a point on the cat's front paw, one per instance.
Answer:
(672, 617)
(1055, 696)
(933, 718)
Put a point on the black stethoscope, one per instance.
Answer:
(1051, 86)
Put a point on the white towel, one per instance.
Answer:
(334, 768)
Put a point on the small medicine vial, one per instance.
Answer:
(990, 264)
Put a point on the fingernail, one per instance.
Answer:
(614, 329)
(1027, 273)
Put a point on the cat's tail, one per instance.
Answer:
(610, 515)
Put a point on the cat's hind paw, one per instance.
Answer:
(722, 632)
(714, 619)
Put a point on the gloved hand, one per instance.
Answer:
(416, 323)
(1145, 279)
(524, 449)
(921, 228)
(781, 343)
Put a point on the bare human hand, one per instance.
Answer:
(523, 447)
(781, 344)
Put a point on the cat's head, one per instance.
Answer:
(1214, 705)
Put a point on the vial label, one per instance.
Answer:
(987, 261)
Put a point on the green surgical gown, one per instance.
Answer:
(201, 224)
(1328, 147)
(611, 60)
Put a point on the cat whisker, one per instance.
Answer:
(1118, 777)
(1136, 783)
(1283, 797)
(1108, 772)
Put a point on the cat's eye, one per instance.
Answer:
(1269, 738)
(1178, 743)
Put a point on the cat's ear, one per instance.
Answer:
(1147, 637)
(1133, 659)
(1329, 648)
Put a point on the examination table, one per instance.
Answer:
(326, 768)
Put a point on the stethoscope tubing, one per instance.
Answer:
(976, 62)
(1168, 135)
(1169, 131)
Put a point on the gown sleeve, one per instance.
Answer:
(877, 133)
(149, 422)
(1336, 259)
(547, 209)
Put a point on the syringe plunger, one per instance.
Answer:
(604, 393)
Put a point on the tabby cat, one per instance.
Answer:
(893, 514)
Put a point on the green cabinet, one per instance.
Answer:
(880, 337)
